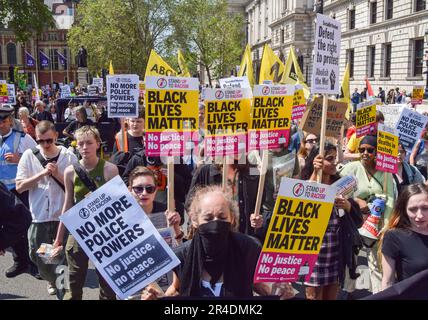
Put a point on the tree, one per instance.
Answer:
(209, 35)
(124, 31)
(25, 17)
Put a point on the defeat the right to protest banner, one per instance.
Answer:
(119, 238)
(293, 240)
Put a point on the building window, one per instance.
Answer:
(387, 60)
(389, 8)
(259, 31)
(266, 27)
(420, 5)
(373, 12)
(350, 60)
(418, 55)
(352, 19)
(371, 61)
(53, 56)
(284, 5)
(11, 53)
(1, 57)
(282, 35)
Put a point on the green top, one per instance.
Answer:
(367, 188)
(97, 175)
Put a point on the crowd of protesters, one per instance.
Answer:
(218, 238)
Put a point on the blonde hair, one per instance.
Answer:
(24, 110)
(195, 206)
(85, 130)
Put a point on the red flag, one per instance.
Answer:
(370, 92)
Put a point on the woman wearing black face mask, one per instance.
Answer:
(217, 262)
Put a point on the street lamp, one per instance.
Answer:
(426, 64)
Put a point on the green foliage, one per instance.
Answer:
(25, 17)
(209, 35)
(123, 31)
(20, 79)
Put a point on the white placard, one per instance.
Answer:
(235, 82)
(11, 94)
(122, 96)
(410, 127)
(65, 91)
(99, 83)
(119, 238)
(325, 75)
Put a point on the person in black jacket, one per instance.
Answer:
(15, 219)
(242, 182)
(41, 114)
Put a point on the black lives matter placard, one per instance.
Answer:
(122, 96)
(119, 238)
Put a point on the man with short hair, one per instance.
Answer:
(41, 114)
(41, 172)
(13, 143)
(356, 99)
(381, 95)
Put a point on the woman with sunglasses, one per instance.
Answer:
(371, 186)
(306, 146)
(337, 251)
(143, 186)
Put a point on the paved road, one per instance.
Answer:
(26, 287)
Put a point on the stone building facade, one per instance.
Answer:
(382, 39)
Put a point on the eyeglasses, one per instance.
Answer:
(311, 141)
(369, 150)
(140, 189)
(48, 141)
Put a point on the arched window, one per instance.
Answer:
(11, 53)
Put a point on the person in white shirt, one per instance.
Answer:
(41, 172)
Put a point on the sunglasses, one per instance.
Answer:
(369, 150)
(311, 141)
(48, 141)
(140, 189)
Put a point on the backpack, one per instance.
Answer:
(121, 159)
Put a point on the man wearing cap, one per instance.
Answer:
(41, 114)
(13, 143)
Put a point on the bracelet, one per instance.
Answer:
(179, 236)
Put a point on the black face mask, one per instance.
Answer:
(214, 237)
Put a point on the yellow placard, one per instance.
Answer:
(418, 93)
(271, 112)
(297, 226)
(387, 143)
(3, 90)
(227, 117)
(299, 98)
(171, 110)
(366, 116)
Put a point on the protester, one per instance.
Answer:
(41, 114)
(15, 219)
(407, 173)
(143, 185)
(381, 95)
(419, 155)
(352, 129)
(70, 113)
(52, 110)
(41, 172)
(371, 186)
(242, 184)
(133, 140)
(218, 261)
(27, 122)
(390, 99)
(305, 148)
(337, 251)
(99, 171)
(12, 146)
(351, 153)
(81, 121)
(355, 99)
(405, 239)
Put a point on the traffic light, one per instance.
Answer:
(11, 74)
